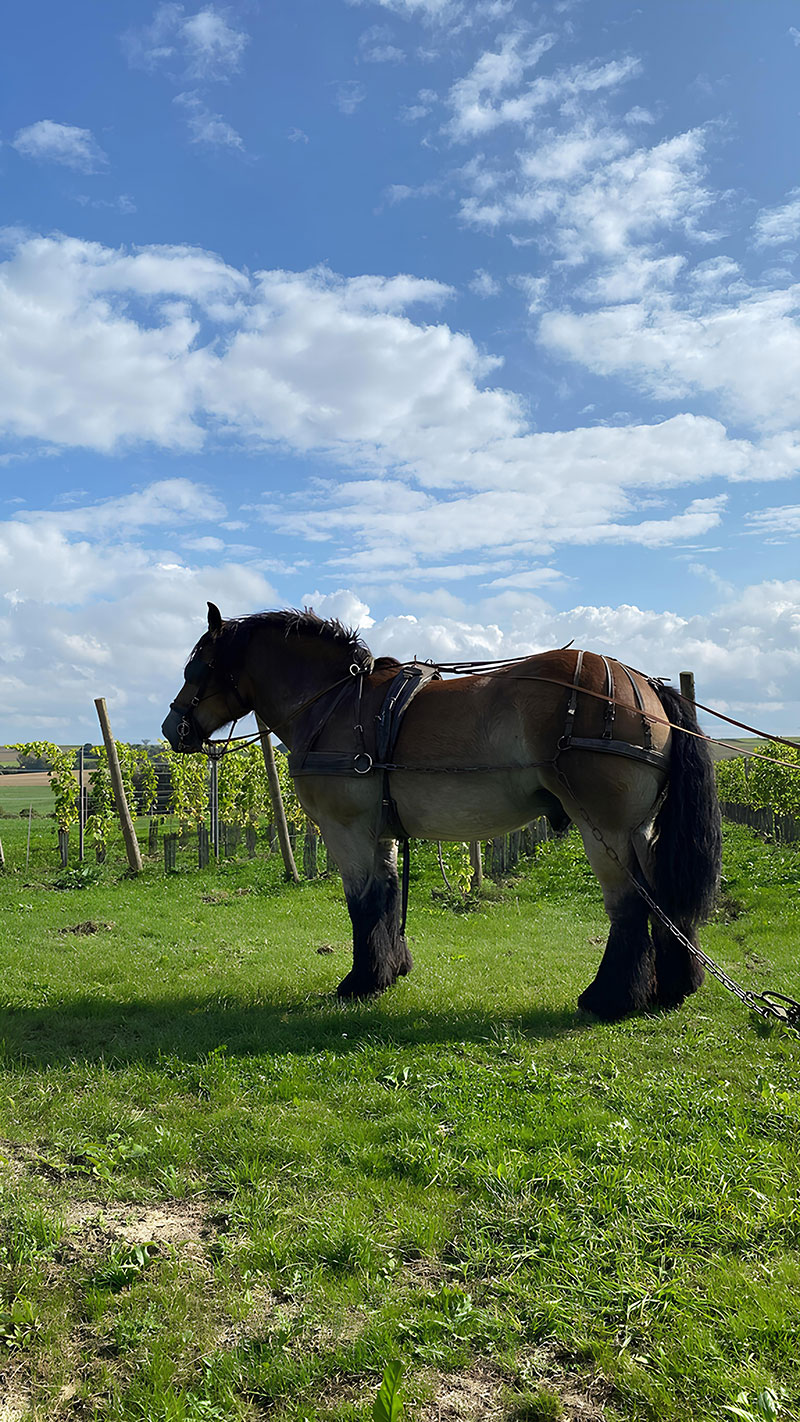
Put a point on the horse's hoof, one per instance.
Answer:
(598, 1004)
(351, 989)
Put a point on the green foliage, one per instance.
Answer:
(762, 784)
(189, 794)
(388, 1405)
(104, 1159)
(101, 802)
(295, 814)
(18, 1324)
(63, 780)
(457, 866)
(123, 1266)
(762, 1408)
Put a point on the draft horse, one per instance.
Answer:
(571, 735)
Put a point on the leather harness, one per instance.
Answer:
(378, 755)
(402, 689)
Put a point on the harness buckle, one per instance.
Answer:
(362, 763)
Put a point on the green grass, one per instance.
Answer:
(224, 1195)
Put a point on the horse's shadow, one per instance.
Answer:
(118, 1034)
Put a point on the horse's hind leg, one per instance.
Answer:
(626, 978)
(380, 952)
(678, 972)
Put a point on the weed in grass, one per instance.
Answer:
(539, 1404)
(388, 1405)
(763, 1407)
(123, 1266)
(104, 1159)
(19, 1324)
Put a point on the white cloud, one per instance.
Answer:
(205, 126)
(484, 284)
(348, 94)
(214, 47)
(95, 609)
(676, 350)
(783, 522)
(475, 101)
(375, 46)
(744, 652)
(431, 10)
(53, 142)
(102, 348)
(778, 226)
(205, 46)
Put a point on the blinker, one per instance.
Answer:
(197, 671)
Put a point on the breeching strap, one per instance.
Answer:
(685, 730)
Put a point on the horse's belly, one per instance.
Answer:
(465, 806)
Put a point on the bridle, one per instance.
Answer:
(198, 672)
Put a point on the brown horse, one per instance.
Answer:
(571, 735)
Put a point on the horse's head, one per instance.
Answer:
(210, 696)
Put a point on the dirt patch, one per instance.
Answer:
(177, 1222)
(475, 1395)
(14, 1404)
(91, 925)
(482, 1394)
(21, 1158)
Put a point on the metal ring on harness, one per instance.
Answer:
(362, 769)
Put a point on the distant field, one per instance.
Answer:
(19, 792)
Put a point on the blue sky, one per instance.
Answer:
(473, 324)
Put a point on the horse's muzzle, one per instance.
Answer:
(180, 731)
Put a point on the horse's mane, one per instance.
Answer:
(237, 631)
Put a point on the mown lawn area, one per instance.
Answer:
(223, 1195)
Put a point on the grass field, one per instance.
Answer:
(225, 1196)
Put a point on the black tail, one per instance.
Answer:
(688, 849)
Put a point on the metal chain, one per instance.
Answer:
(766, 1004)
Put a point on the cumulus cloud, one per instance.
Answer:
(63, 143)
(676, 349)
(93, 608)
(103, 349)
(744, 652)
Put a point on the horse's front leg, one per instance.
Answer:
(372, 891)
(380, 951)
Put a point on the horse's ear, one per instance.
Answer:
(214, 619)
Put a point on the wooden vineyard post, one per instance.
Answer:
(687, 686)
(476, 866)
(310, 851)
(128, 830)
(278, 812)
